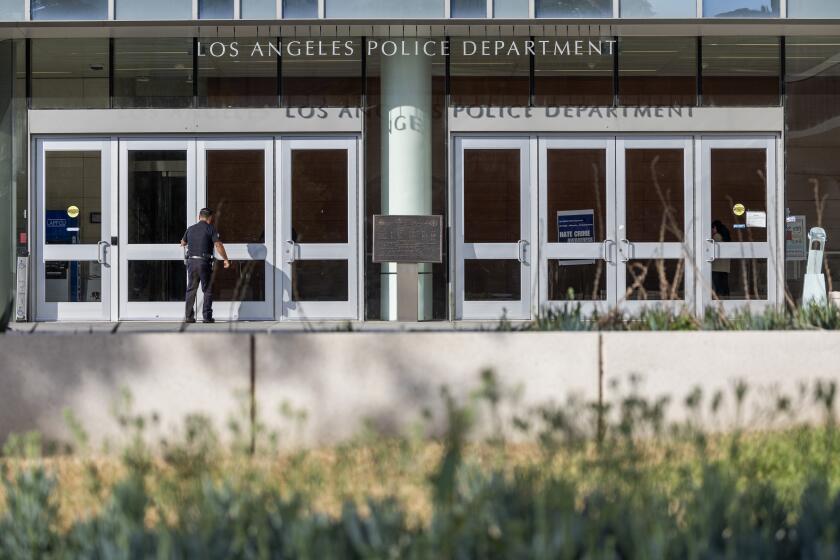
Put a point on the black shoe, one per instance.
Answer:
(210, 320)
(189, 320)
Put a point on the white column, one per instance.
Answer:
(406, 85)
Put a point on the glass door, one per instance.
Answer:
(74, 254)
(738, 224)
(157, 202)
(493, 228)
(577, 223)
(654, 223)
(318, 228)
(236, 179)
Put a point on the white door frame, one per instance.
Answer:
(709, 251)
(152, 252)
(288, 252)
(521, 251)
(628, 249)
(604, 251)
(101, 252)
(243, 310)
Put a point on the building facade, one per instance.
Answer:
(615, 153)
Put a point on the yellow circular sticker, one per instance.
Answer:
(738, 209)
(73, 211)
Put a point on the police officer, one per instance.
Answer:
(200, 240)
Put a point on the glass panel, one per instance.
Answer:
(236, 191)
(215, 9)
(658, 8)
(492, 196)
(70, 73)
(739, 178)
(739, 279)
(157, 281)
(381, 9)
(481, 78)
(655, 191)
(157, 196)
(657, 71)
(813, 8)
(243, 281)
(73, 197)
(247, 80)
(577, 280)
(72, 282)
(741, 8)
(330, 78)
(153, 73)
(69, 9)
(574, 8)
(11, 10)
(585, 80)
(153, 9)
(259, 9)
(655, 280)
(320, 281)
(492, 280)
(300, 9)
(469, 8)
(577, 189)
(741, 71)
(510, 9)
(319, 196)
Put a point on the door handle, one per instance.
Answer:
(102, 252)
(626, 254)
(292, 250)
(522, 246)
(710, 257)
(606, 253)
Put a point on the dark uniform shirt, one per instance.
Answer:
(200, 239)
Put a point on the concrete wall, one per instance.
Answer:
(342, 380)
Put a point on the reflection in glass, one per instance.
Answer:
(332, 79)
(157, 196)
(492, 194)
(258, 9)
(742, 279)
(320, 281)
(302, 9)
(153, 73)
(73, 182)
(577, 280)
(469, 8)
(655, 205)
(478, 80)
(574, 8)
(243, 281)
(492, 280)
(215, 9)
(738, 72)
(510, 9)
(153, 9)
(585, 80)
(739, 176)
(249, 80)
(813, 9)
(655, 280)
(11, 10)
(157, 281)
(741, 8)
(381, 9)
(236, 191)
(70, 74)
(319, 196)
(69, 9)
(576, 182)
(72, 282)
(658, 8)
(657, 71)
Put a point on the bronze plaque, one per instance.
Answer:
(408, 239)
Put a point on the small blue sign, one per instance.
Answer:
(576, 226)
(61, 228)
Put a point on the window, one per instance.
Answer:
(69, 9)
(586, 80)
(258, 9)
(246, 80)
(11, 10)
(70, 73)
(657, 71)
(469, 8)
(302, 9)
(153, 72)
(659, 8)
(511, 9)
(482, 75)
(741, 8)
(813, 8)
(153, 9)
(332, 78)
(574, 8)
(741, 71)
(354, 9)
(215, 9)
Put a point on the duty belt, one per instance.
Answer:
(206, 258)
